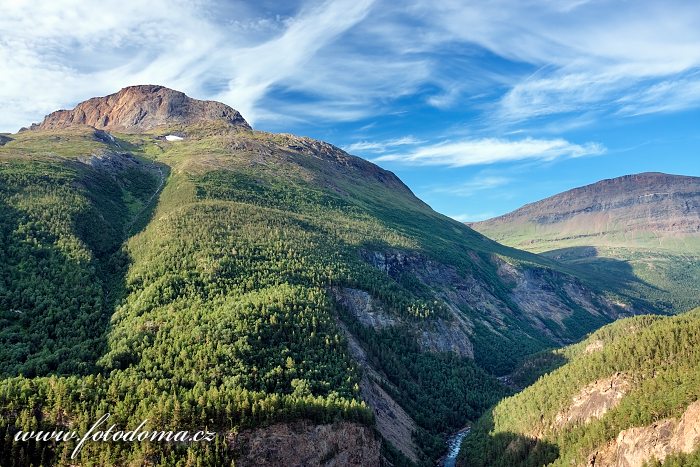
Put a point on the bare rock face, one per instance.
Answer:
(594, 400)
(140, 108)
(533, 291)
(305, 444)
(635, 446)
(365, 308)
(394, 424)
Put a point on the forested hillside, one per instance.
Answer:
(232, 279)
(627, 395)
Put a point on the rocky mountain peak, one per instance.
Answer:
(142, 108)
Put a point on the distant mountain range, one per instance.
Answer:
(641, 229)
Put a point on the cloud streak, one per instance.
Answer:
(473, 186)
(507, 61)
(379, 147)
(485, 151)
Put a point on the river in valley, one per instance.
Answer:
(453, 445)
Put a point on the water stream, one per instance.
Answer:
(453, 445)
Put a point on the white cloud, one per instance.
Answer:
(284, 57)
(493, 150)
(588, 54)
(379, 147)
(473, 217)
(345, 60)
(55, 54)
(666, 96)
(473, 186)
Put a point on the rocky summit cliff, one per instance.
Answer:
(140, 108)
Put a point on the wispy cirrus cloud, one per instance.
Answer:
(379, 147)
(583, 54)
(666, 96)
(473, 186)
(473, 217)
(484, 151)
(55, 54)
(505, 61)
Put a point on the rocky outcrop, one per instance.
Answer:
(366, 309)
(635, 446)
(538, 293)
(594, 401)
(440, 335)
(303, 443)
(4, 140)
(110, 161)
(393, 423)
(140, 108)
(543, 297)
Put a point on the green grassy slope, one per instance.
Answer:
(658, 356)
(193, 285)
(635, 234)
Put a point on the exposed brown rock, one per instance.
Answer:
(394, 424)
(594, 401)
(303, 443)
(635, 446)
(366, 309)
(142, 108)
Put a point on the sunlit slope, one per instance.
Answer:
(627, 394)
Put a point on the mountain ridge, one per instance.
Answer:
(677, 198)
(140, 108)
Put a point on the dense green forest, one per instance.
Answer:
(209, 309)
(659, 356)
(187, 283)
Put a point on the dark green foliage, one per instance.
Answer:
(500, 354)
(508, 450)
(219, 299)
(61, 227)
(678, 460)
(659, 356)
(440, 391)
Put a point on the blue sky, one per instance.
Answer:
(479, 106)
